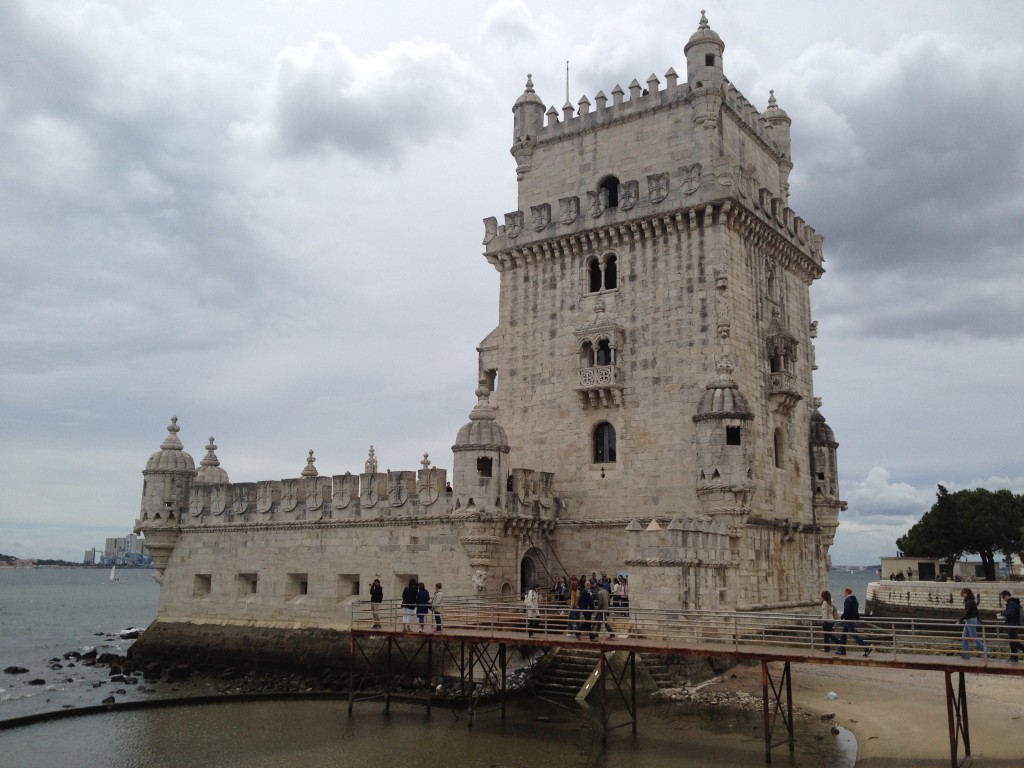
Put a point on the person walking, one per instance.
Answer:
(532, 603)
(601, 614)
(408, 604)
(829, 614)
(850, 616)
(572, 623)
(970, 618)
(1012, 618)
(376, 598)
(435, 605)
(422, 603)
(586, 607)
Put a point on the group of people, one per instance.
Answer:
(617, 589)
(586, 604)
(416, 601)
(849, 618)
(970, 618)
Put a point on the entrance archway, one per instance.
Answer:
(532, 569)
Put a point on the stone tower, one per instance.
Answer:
(653, 351)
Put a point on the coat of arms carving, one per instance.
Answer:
(629, 194)
(568, 209)
(541, 216)
(514, 223)
(657, 187)
(691, 178)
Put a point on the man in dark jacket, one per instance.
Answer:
(408, 604)
(850, 616)
(586, 606)
(1011, 616)
(376, 598)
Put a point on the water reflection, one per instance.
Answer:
(320, 734)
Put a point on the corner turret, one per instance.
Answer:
(704, 57)
(527, 123)
(779, 123)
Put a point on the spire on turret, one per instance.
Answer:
(210, 471)
(370, 467)
(704, 56)
(310, 469)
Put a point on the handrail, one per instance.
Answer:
(701, 630)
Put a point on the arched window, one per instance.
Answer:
(611, 186)
(594, 275)
(779, 448)
(604, 352)
(611, 276)
(587, 355)
(604, 443)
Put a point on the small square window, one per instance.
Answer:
(348, 585)
(732, 436)
(297, 586)
(201, 585)
(709, 60)
(247, 585)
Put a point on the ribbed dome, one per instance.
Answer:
(821, 433)
(529, 96)
(210, 471)
(482, 431)
(171, 457)
(704, 34)
(722, 398)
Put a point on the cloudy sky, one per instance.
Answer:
(265, 218)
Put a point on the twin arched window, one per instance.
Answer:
(604, 443)
(603, 274)
(602, 354)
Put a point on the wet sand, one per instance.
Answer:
(899, 716)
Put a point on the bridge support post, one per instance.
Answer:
(956, 713)
(781, 703)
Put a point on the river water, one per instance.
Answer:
(46, 612)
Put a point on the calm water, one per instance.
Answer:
(46, 612)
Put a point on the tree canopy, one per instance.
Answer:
(975, 521)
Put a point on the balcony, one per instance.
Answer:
(600, 386)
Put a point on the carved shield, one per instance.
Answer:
(541, 216)
(240, 504)
(289, 495)
(429, 490)
(657, 187)
(314, 494)
(597, 202)
(568, 209)
(490, 229)
(264, 498)
(629, 194)
(343, 491)
(218, 500)
(514, 223)
(691, 178)
(195, 501)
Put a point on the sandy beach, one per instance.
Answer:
(899, 716)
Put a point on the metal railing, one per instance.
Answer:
(680, 629)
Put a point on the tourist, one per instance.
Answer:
(624, 594)
(561, 592)
(532, 603)
(601, 615)
(910, 573)
(586, 608)
(829, 614)
(422, 603)
(970, 619)
(408, 604)
(376, 598)
(435, 605)
(1011, 616)
(850, 616)
(616, 593)
(572, 624)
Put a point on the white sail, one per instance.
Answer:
(113, 573)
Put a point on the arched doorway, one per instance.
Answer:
(532, 569)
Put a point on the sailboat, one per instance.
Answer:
(113, 573)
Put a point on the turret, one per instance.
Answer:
(165, 495)
(778, 122)
(704, 57)
(527, 123)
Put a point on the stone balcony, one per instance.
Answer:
(600, 386)
(782, 391)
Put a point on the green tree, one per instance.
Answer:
(979, 521)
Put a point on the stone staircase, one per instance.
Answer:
(563, 672)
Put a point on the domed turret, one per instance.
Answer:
(704, 56)
(480, 449)
(171, 457)
(210, 471)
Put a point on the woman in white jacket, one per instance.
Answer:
(532, 603)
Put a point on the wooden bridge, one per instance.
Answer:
(474, 637)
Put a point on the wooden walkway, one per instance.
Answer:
(475, 635)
